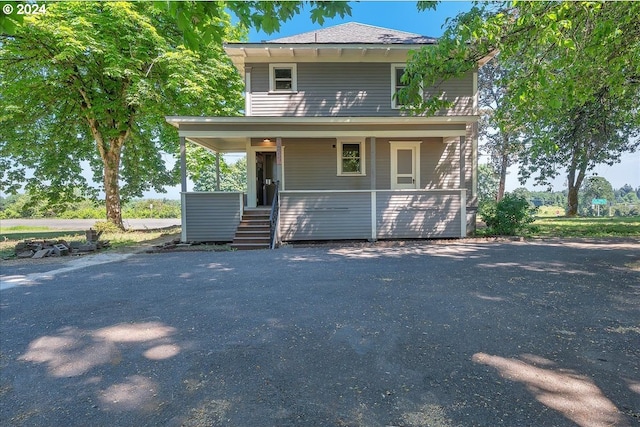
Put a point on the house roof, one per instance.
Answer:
(354, 33)
(349, 42)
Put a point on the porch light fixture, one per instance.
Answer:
(266, 141)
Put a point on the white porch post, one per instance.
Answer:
(247, 91)
(183, 189)
(217, 171)
(279, 160)
(183, 165)
(372, 170)
(463, 191)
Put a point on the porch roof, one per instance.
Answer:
(231, 134)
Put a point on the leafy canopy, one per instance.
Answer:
(88, 84)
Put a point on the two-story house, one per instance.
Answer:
(322, 122)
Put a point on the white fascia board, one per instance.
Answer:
(248, 120)
(323, 133)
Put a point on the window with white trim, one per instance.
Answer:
(397, 70)
(283, 78)
(351, 159)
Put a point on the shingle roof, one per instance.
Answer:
(353, 33)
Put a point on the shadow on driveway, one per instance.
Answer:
(417, 334)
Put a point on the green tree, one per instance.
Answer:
(595, 187)
(202, 22)
(203, 166)
(487, 183)
(577, 61)
(501, 138)
(93, 81)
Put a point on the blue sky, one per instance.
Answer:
(398, 15)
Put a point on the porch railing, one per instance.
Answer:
(273, 218)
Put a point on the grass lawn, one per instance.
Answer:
(12, 235)
(587, 227)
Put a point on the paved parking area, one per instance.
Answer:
(404, 334)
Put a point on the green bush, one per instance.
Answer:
(106, 227)
(510, 216)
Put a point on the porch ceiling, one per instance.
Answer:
(221, 145)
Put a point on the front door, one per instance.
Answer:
(265, 177)
(405, 165)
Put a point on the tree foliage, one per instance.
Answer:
(487, 183)
(575, 90)
(88, 84)
(202, 164)
(595, 187)
(499, 132)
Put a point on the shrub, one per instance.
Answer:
(106, 227)
(510, 216)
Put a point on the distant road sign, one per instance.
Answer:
(598, 201)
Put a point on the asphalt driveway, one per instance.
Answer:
(540, 333)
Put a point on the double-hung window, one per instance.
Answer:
(351, 160)
(397, 70)
(283, 78)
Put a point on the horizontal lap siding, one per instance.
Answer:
(212, 217)
(325, 216)
(459, 91)
(403, 215)
(312, 164)
(344, 89)
(440, 164)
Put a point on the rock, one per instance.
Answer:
(25, 254)
(42, 253)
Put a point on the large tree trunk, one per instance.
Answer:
(112, 187)
(575, 177)
(504, 164)
(572, 199)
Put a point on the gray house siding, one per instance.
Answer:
(325, 216)
(407, 214)
(211, 217)
(345, 89)
(311, 164)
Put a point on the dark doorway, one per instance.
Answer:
(265, 177)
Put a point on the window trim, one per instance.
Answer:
(339, 144)
(394, 68)
(294, 77)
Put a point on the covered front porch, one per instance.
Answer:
(291, 173)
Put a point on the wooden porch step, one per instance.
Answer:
(254, 223)
(254, 230)
(250, 246)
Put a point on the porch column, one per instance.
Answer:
(374, 210)
(463, 191)
(462, 162)
(279, 161)
(183, 189)
(247, 91)
(183, 165)
(217, 171)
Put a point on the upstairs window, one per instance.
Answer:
(283, 78)
(397, 71)
(351, 157)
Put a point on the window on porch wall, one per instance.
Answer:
(351, 158)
